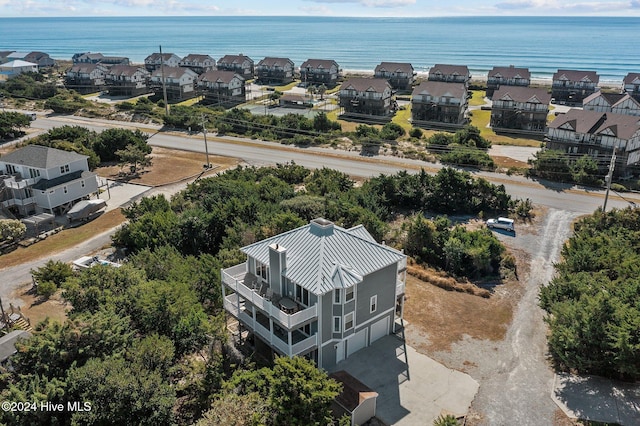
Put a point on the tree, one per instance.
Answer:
(134, 157)
(12, 230)
(322, 89)
(111, 140)
(53, 271)
(297, 391)
(585, 171)
(551, 164)
(238, 410)
(12, 123)
(120, 393)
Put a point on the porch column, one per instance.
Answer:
(271, 331)
(289, 340)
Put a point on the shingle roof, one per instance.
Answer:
(523, 94)
(363, 84)
(611, 98)
(173, 72)
(44, 184)
(404, 67)
(594, 122)
(440, 88)
(631, 77)
(510, 72)
(576, 75)
(234, 59)
(271, 62)
(197, 58)
(126, 70)
(319, 63)
(322, 256)
(156, 57)
(86, 68)
(446, 69)
(219, 75)
(41, 157)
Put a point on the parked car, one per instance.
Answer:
(501, 223)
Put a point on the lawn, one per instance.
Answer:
(402, 118)
(480, 119)
(477, 98)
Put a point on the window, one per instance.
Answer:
(11, 169)
(336, 296)
(348, 321)
(348, 295)
(336, 324)
(34, 173)
(373, 305)
(64, 169)
(262, 271)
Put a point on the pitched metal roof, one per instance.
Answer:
(322, 256)
(41, 157)
(8, 343)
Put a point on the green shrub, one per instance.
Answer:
(46, 289)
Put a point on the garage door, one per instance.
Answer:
(356, 342)
(379, 329)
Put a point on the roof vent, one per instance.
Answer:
(321, 227)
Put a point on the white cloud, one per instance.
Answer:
(556, 6)
(372, 3)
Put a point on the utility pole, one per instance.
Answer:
(612, 166)
(206, 147)
(164, 87)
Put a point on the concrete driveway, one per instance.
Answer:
(121, 193)
(597, 399)
(413, 389)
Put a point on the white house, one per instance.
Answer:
(15, 67)
(38, 179)
(225, 88)
(157, 60)
(198, 63)
(319, 291)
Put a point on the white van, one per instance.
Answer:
(501, 223)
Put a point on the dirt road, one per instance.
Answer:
(514, 374)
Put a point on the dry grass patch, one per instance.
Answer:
(37, 309)
(445, 282)
(508, 162)
(170, 165)
(63, 239)
(445, 317)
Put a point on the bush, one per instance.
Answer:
(56, 272)
(46, 289)
(11, 230)
(416, 133)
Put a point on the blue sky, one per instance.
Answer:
(414, 8)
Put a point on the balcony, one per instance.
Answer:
(18, 183)
(18, 202)
(278, 338)
(239, 280)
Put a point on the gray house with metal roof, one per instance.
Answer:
(36, 179)
(319, 291)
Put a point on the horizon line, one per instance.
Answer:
(323, 16)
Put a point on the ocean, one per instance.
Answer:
(606, 45)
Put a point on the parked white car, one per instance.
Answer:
(501, 223)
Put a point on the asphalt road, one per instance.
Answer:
(549, 194)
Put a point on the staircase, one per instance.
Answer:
(22, 324)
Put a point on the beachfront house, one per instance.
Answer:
(240, 64)
(507, 76)
(99, 58)
(439, 104)
(16, 67)
(40, 179)
(222, 88)
(4, 56)
(127, 80)
(366, 96)
(450, 73)
(617, 103)
(179, 83)
(570, 87)
(400, 75)
(198, 63)
(631, 85)
(594, 133)
(319, 291)
(316, 72)
(155, 61)
(86, 77)
(272, 70)
(43, 60)
(518, 109)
